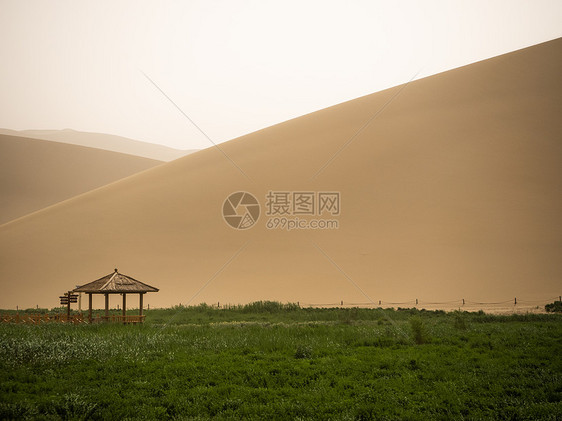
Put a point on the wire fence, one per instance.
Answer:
(514, 305)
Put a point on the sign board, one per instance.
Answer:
(67, 299)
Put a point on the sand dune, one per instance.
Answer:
(103, 141)
(35, 173)
(453, 190)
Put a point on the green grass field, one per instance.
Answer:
(274, 361)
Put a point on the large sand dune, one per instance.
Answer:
(105, 141)
(35, 173)
(454, 190)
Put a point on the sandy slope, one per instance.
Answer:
(103, 141)
(454, 190)
(37, 173)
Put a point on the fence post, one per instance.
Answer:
(342, 302)
(515, 301)
(416, 301)
(463, 301)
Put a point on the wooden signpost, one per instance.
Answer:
(66, 300)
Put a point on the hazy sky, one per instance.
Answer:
(232, 66)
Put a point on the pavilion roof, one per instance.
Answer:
(115, 283)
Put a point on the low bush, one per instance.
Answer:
(555, 307)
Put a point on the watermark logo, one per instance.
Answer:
(298, 210)
(283, 203)
(286, 210)
(241, 210)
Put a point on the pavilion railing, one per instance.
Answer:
(116, 318)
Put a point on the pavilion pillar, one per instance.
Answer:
(90, 307)
(141, 296)
(124, 306)
(106, 307)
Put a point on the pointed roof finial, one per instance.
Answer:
(115, 269)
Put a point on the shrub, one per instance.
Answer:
(459, 321)
(348, 315)
(418, 331)
(555, 307)
(73, 407)
(269, 307)
(17, 411)
(303, 352)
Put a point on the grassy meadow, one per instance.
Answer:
(278, 361)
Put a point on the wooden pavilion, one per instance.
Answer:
(116, 283)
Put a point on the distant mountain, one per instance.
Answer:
(36, 173)
(108, 142)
